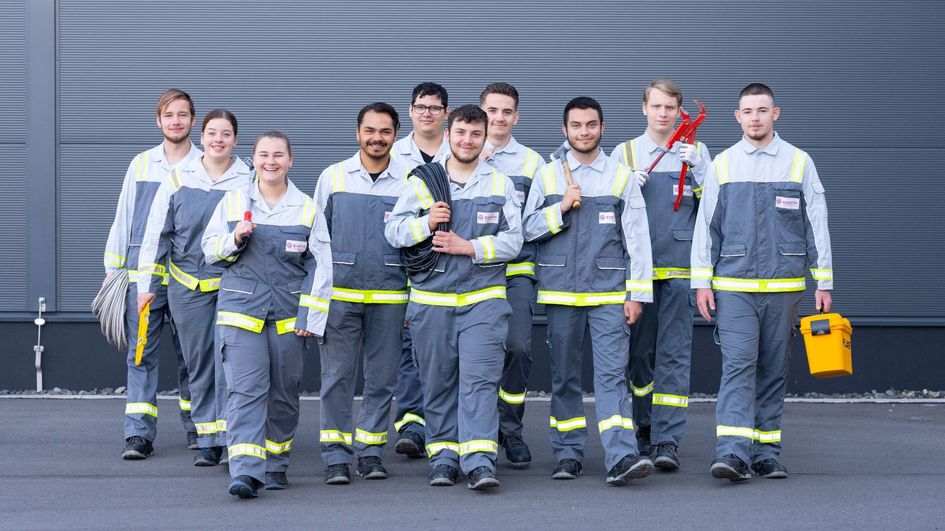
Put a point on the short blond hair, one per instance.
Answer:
(171, 95)
(664, 85)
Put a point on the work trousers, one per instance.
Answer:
(408, 390)
(521, 295)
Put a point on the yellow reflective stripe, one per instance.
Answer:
(623, 175)
(626, 152)
(240, 321)
(184, 278)
(498, 183)
(250, 450)
(660, 399)
(233, 205)
(702, 273)
(488, 248)
(576, 423)
(822, 274)
(633, 155)
(174, 179)
(133, 276)
(642, 391)
(456, 299)
(663, 273)
(423, 194)
(337, 178)
(184, 404)
(278, 448)
(721, 168)
(763, 285)
(218, 249)
(221, 425)
(334, 436)
(616, 421)
(768, 437)
(115, 260)
(698, 192)
(369, 296)
(315, 303)
(470, 447)
(734, 431)
(150, 268)
(581, 299)
(512, 398)
(520, 268)
(437, 447)
(308, 212)
(639, 285)
(797, 166)
(285, 326)
(407, 419)
(367, 437)
(531, 164)
(548, 176)
(141, 167)
(206, 428)
(552, 219)
(140, 408)
(209, 284)
(416, 229)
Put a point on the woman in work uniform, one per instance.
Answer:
(274, 293)
(178, 217)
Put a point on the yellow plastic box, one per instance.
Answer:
(829, 348)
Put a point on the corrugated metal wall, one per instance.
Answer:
(859, 84)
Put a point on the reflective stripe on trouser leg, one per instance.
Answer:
(643, 334)
(483, 329)
(737, 319)
(143, 379)
(566, 329)
(408, 390)
(340, 355)
(286, 355)
(779, 313)
(520, 295)
(610, 344)
(183, 382)
(246, 362)
(383, 324)
(434, 335)
(195, 318)
(673, 357)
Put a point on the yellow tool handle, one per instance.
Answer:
(142, 332)
(570, 179)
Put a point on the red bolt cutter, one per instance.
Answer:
(685, 133)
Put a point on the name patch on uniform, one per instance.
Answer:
(387, 216)
(295, 246)
(789, 203)
(607, 218)
(520, 195)
(686, 190)
(484, 218)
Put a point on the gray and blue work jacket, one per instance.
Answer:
(484, 211)
(583, 255)
(762, 222)
(281, 272)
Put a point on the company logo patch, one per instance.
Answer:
(687, 190)
(608, 218)
(788, 203)
(295, 246)
(387, 216)
(520, 195)
(484, 218)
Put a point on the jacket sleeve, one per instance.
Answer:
(406, 227)
(636, 232)
(316, 288)
(699, 172)
(701, 253)
(505, 245)
(219, 242)
(154, 245)
(120, 233)
(819, 255)
(540, 224)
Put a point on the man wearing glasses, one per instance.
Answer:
(429, 108)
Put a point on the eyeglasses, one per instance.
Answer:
(434, 109)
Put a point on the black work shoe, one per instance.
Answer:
(643, 440)
(516, 451)
(276, 481)
(730, 467)
(244, 487)
(567, 469)
(137, 447)
(410, 443)
(337, 475)
(665, 457)
(482, 478)
(209, 456)
(371, 467)
(443, 476)
(192, 441)
(769, 468)
(633, 466)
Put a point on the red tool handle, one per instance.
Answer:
(248, 216)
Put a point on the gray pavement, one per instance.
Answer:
(866, 466)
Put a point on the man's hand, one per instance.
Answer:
(450, 243)
(689, 154)
(301, 332)
(632, 311)
(107, 276)
(243, 229)
(822, 300)
(439, 213)
(571, 194)
(144, 299)
(705, 301)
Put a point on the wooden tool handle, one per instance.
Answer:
(570, 179)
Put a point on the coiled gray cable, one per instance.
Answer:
(109, 307)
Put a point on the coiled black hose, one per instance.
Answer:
(419, 260)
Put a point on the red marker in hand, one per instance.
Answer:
(248, 216)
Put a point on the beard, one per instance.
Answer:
(468, 160)
(179, 139)
(366, 149)
(584, 150)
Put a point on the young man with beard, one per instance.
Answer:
(458, 312)
(589, 218)
(369, 296)
(429, 108)
(519, 163)
(661, 344)
(175, 118)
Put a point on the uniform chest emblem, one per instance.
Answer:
(387, 216)
(520, 195)
(606, 218)
(295, 246)
(787, 203)
(484, 218)
(686, 191)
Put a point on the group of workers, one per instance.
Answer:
(250, 270)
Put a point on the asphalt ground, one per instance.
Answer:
(865, 466)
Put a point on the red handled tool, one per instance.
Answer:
(248, 216)
(685, 133)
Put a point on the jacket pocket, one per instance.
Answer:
(732, 250)
(392, 260)
(612, 264)
(238, 285)
(552, 260)
(793, 249)
(338, 257)
(682, 235)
